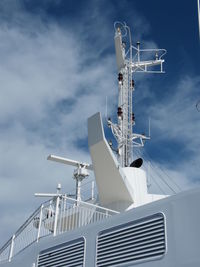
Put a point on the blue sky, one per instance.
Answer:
(57, 67)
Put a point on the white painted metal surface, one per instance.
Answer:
(138, 181)
(114, 189)
(120, 50)
(70, 162)
(71, 253)
(118, 188)
(135, 242)
(181, 214)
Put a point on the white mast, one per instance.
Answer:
(130, 59)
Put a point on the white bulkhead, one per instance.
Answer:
(138, 181)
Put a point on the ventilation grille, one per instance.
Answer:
(67, 254)
(136, 241)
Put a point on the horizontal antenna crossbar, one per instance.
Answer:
(70, 162)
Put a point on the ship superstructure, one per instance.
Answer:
(124, 225)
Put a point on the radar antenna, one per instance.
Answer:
(80, 173)
(130, 59)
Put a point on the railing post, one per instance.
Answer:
(40, 223)
(92, 197)
(11, 248)
(56, 216)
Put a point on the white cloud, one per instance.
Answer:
(40, 68)
(175, 120)
(176, 116)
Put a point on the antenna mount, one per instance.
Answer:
(130, 59)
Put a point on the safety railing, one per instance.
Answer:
(59, 215)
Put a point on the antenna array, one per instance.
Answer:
(130, 59)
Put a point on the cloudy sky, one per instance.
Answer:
(57, 66)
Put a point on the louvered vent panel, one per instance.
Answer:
(136, 241)
(70, 254)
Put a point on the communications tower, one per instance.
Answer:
(130, 59)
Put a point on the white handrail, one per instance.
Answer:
(54, 216)
(90, 204)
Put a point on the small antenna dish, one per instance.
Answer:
(137, 163)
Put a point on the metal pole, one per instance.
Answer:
(11, 248)
(40, 223)
(92, 205)
(148, 176)
(138, 47)
(92, 197)
(78, 190)
(56, 216)
(106, 213)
